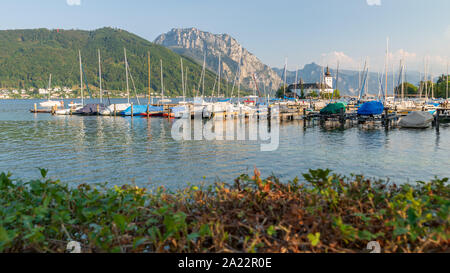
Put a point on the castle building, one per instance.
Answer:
(320, 88)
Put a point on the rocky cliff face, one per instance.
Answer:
(195, 44)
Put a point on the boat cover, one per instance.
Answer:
(333, 108)
(371, 108)
(91, 109)
(417, 119)
(178, 109)
(141, 109)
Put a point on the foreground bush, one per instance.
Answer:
(323, 213)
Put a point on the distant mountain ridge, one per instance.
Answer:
(27, 57)
(195, 43)
(348, 79)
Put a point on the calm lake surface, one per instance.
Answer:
(122, 150)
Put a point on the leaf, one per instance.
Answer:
(120, 221)
(193, 236)
(139, 241)
(314, 239)
(400, 231)
(43, 172)
(271, 231)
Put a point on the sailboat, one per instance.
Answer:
(163, 100)
(50, 103)
(74, 107)
(119, 107)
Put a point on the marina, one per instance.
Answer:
(109, 149)
(209, 130)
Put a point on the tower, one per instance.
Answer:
(328, 79)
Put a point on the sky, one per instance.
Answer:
(301, 31)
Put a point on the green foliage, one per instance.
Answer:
(441, 87)
(408, 89)
(324, 213)
(281, 91)
(313, 94)
(336, 95)
(27, 57)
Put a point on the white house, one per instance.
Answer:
(43, 91)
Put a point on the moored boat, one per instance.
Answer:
(417, 119)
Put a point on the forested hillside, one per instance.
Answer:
(27, 57)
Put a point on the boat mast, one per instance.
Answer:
(185, 83)
(162, 81)
(239, 80)
(337, 81)
(402, 76)
(296, 77)
(149, 89)
(447, 83)
(220, 67)
(49, 86)
(182, 80)
(393, 79)
(387, 67)
(284, 85)
(126, 71)
(81, 78)
(100, 76)
(204, 74)
(426, 79)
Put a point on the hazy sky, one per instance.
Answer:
(301, 30)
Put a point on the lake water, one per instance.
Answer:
(122, 150)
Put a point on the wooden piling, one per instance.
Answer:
(114, 109)
(132, 114)
(438, 111)
(35, 107)
(386, 118)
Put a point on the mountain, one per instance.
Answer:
(27, 57)
(348, 79)
(195, 44)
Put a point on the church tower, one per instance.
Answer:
(328, 79)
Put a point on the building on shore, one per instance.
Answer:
(323, 88)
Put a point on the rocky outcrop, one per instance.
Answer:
(196, 44)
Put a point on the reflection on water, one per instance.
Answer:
(122, 150)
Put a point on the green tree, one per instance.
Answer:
(281, 91)
(409, 89)
(441, 87)
(313, 94)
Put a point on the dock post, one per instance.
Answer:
(35, 108)
(148, 111)
(386, 118)
(304, 118)
(132, 110)
(114, 109)
(341, 116)
(98, 109)
(438, 111)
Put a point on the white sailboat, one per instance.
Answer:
(119, 107)
(50, 103)
(74, 106)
